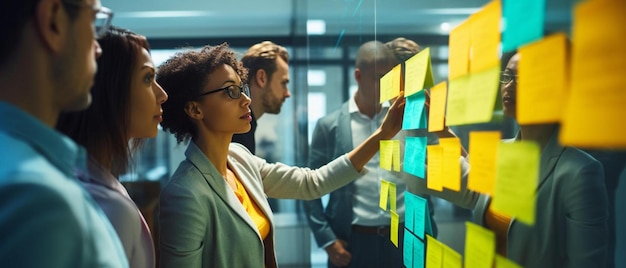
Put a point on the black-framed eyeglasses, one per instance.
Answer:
(234, 91)
(506, 78)
(103, 19)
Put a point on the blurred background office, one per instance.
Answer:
(322, 37)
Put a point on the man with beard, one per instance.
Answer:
(268, 76)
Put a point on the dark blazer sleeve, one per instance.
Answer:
(321, 152)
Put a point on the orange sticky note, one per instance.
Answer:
(434, 252)
(450, 165)
(483, 160)
(437, 109)
(485, 37)
(516, 180)
(542, 76)
(459, 53)
(481, 95)
(418, 73)
(457, 106)
(384, 194)
(390, 84)
(595, 112)
(434, 169)
(480, 246)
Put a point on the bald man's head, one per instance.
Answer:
(372, 54)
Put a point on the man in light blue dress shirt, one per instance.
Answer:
(47, 63)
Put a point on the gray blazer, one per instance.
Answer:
(202, 222)
(571, 213)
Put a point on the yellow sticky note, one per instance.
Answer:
(457, 106)
(516, 180)
(451, 258)
(437, 109)
(392, 196)
(503, 262)
(395, 156)
(390, 84)
(542, 76)
(418, 73)
(386, 154)
(450, 164)
(483, 160)
(434, 252)
(480, 246)
(595, 111)
(459, 53)
(485, 37)
(434, 169)
(481, 95)
(393, 233)
(384, 194)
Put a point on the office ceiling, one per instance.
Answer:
(212, 18)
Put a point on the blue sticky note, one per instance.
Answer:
(409, 211)
(523, 22)
(414, 111)
(407, 254)
(418, 252)
(415, 156)
(419, 208)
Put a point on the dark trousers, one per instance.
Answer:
(374, 250)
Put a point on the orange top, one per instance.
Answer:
(257, 215)
(499, 224)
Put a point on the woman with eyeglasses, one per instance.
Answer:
(571, 214)
(214, 210)
(126, 108)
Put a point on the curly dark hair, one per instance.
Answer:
(183, 77)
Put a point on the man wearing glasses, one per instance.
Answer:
(48, 57)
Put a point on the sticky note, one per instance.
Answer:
(407, 249)
(395, 155)
(595, 111)
(437, 110)
(516, 180)
(418, 73)
(542, 77)
(386, 154)
(523, 22)
(459, 50)
(451, 258)
(415, 155)
(485, 37)
(502, 262)
(414, 111)
(483, 160)
(434, 253)
(390, 84)
(481, 95)
(392, 196)
(417, 210)
(451, 169)
(393, 233)
(480, 246)
(435, 168)
(457, 106)
(384, 194)
(418, 253)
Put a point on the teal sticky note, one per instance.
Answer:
(420, 212)
(524, 22)
(415, 156)
(418, 253)
(429, 227)
(407, 251)
(414, 111)
(409, 211)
